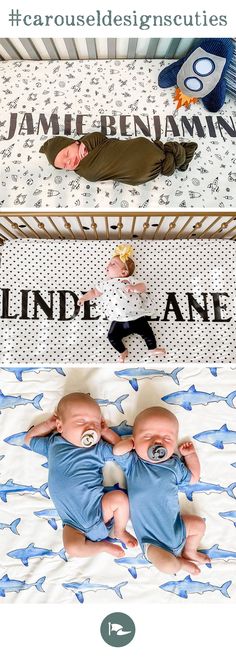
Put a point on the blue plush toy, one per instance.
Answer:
(200, 74)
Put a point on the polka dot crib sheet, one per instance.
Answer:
(122, 99)
(191, 292)
(33, 565)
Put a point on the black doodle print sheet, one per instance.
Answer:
(191, 285)
(122, 99)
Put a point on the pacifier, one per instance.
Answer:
(157, 452)
(89, 438)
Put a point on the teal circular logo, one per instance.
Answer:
(117, 629)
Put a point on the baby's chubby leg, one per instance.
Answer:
(116, 505)
(166, 562)
(77, 545)
(195, 529)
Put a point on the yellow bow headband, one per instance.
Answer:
(123, 251)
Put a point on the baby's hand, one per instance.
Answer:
(129, 289)
(83, 151)
(187, 448)
(104, 426)
(80, 301)
(123, 446)
(50, 424)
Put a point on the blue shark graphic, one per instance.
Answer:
(185, 587)
(33, 552)
(206, 487)
(229, 515)
(192, 397)
(50, 515)
(17, 440)
(216, 553)
(80, 588)
(132, 563)
(11, 487)
(214, 371)
(116, 486)
(8, 401)
(117, 403)
(123, 429)
(233, 464)
(12, 526)
(217, 437)
(16, 585)
(19, 371)
(135, 374)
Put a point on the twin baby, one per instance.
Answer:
(77, 450)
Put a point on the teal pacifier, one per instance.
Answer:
(157, 452)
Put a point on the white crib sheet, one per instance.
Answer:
(121, 98)
(25, 516)
(59, 271)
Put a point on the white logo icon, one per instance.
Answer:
(118, 629)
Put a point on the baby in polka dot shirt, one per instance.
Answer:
(125, 303)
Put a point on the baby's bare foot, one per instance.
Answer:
(194, 555)
(115, 550)
(158, 350)
(126, 537)
(189, 566)
(123, 356)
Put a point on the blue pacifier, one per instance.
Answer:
(89, 438)
(157, 452)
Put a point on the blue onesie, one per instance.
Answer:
(75, 482)
(153, 498)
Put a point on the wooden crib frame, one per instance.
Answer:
(117, 225)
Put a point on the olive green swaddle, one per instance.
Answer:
(130, 161)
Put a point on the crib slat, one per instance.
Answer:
(209, 227)
(224, 225)
(180, 232)
(197, 226)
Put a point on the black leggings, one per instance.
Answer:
(119, 330)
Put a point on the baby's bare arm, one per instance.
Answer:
(108, 434)
(123, 446)
(135, 287)
(41, 430)
(187, 450)
(91, 294)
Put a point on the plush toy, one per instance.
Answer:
(200, 74)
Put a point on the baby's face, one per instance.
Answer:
(155, 434)
(81, 423)
(116, 268)
(69, 158)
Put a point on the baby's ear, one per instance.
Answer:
(58, 425)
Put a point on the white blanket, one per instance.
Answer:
(121, 98)
(179, 274)
(25, 516)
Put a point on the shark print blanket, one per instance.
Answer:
(42, 99)
(33, 564)
(191, 300)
